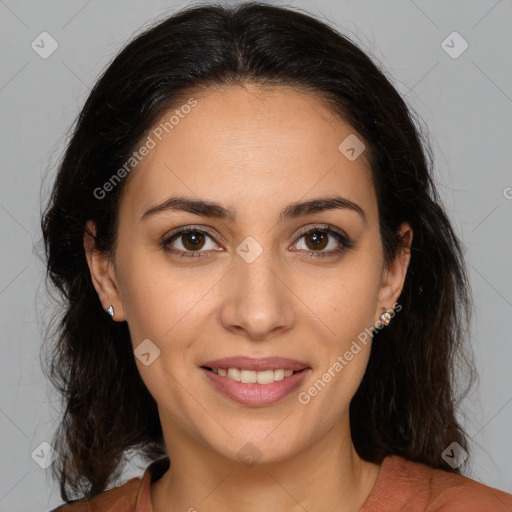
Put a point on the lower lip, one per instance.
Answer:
(257, 395)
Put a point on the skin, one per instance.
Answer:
(254, 150)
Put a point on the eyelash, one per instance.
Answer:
(345, 242)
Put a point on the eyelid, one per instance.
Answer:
(323, 227)
(192, 227)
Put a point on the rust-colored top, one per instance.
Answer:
(402, 485)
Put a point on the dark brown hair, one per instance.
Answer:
(407, 400)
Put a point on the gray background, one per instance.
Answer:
(466, 102)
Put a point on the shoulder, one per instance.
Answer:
(406, 485)
(133, 496)
(117, 499)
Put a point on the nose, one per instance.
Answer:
(257, 299)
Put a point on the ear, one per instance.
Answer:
(393, 276)
(102, 273)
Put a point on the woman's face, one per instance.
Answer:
(251, 284)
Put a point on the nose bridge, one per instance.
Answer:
(256, 299)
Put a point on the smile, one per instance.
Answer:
(254, 393)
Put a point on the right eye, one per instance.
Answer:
(191, 240)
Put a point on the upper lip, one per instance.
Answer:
(249, 363)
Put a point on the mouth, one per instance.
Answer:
(255, 388)
(249, 370)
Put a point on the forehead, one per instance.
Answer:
(242, 145)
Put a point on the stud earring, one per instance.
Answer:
(110, 311)
(385, 318)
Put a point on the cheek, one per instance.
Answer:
(161, 303)
(146, 296)
(348, 309)
(347, 301)
(347, 305)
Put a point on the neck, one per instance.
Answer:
(329, 475)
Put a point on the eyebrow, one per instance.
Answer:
(217, 211)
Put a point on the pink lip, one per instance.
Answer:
(265, 363)
(256, 395)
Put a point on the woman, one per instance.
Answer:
(247, 198)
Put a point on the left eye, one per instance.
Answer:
(318, 239)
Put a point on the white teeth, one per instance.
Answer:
(247, 376)
(234, 373)
(250, 377)
(265, 377)
(278, 375)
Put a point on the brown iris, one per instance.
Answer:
(193, 240)
(320, 239)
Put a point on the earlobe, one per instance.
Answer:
(102, 274)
